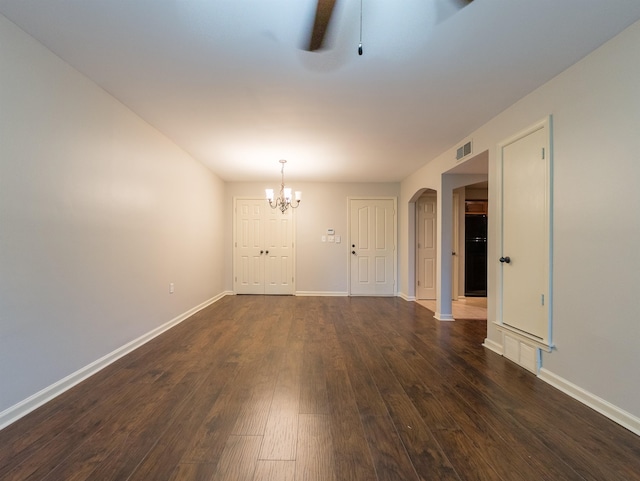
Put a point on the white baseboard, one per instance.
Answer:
(493, 346)
(322, 293)
(406, 297)
(33, 402)
(620, 416)
(443, 317)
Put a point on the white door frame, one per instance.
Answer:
(395, 239)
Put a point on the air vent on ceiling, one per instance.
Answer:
(463, 151)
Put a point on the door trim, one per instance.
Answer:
(395, 239)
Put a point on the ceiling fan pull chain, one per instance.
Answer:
(360, 44)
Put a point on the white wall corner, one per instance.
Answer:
(616, 414)
(493, 346)
(24, 407)
(404, 296)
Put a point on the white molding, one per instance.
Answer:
(322, 293)
(616, 414)
(443, 317)
(24, 407)
(493, 346)
(402, 295)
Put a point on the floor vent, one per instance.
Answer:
(463, 151)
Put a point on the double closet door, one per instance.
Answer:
(263, 248)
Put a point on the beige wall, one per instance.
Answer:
(596, 270)
(98, 214)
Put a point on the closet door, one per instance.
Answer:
(278, 251)
(525, 260)
(263, 248)
(249, 246)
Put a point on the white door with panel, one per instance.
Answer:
(526, 211)
(372, 237)
(263, 244)
(427, 246)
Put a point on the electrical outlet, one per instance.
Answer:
(171, 288)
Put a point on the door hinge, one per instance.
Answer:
(418, 283)
(542, 299)
(542, 153)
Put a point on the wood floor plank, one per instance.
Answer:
(239, 459)
(313, 388)
(314, 461)
(267, 470)
(193, 472)
(281, 430)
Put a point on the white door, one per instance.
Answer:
(249, 246)
(455, 248)
(372, 240)
(427, 243)
(278, 244)
(525, 256)
(263, 249)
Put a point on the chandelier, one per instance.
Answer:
(284, 201)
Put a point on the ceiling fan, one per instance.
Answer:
(324, 12)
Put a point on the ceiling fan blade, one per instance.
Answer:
(324, 10)
(446, 8)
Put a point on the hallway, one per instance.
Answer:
(463, 308)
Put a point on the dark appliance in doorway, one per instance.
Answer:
(475, 268)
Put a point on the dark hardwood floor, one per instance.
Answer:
(329, 389)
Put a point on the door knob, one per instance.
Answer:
(505, 259)
(261, 252)
(266, 252)
(353, 252)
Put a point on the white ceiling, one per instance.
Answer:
(227, 80)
